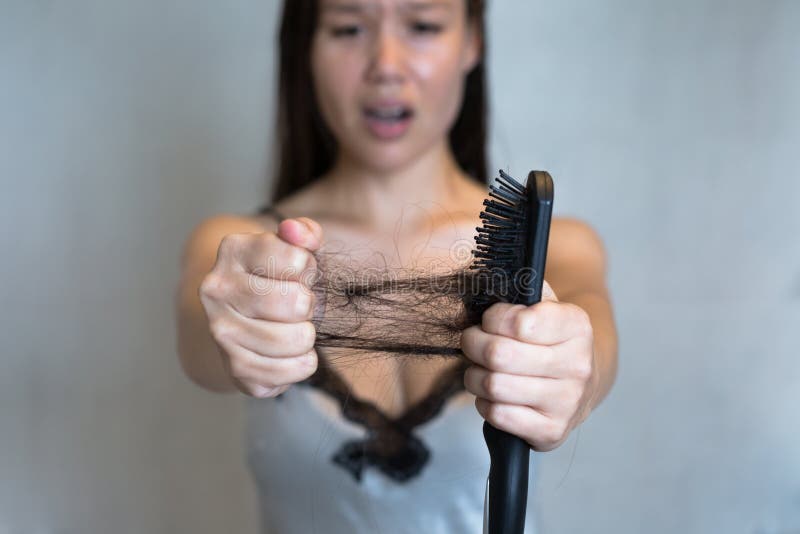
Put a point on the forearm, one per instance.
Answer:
(199, 354)
(604, 330)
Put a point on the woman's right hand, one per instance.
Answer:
(259, 304)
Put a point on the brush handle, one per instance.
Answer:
(508, 481)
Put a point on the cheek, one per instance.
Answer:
(333, 79)
(441, 79)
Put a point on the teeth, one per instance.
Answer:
(387, 113)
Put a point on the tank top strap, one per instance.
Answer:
(269, 209)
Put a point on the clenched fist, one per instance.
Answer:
(533, 372)
(259, 304)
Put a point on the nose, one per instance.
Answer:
(387, 58)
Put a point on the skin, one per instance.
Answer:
(537, 371)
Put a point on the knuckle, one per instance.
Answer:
(521, 323)
(309, 261)
(261, 391)
(467, 342)
(229, 243)
(537, 315)
(269, 380)
(239, 368)
(311, 274)
(497, 354)
(266, 244)
(306, 365)
(257, 375)
(221, 330)
(583, 368)
(491, 384)
(493, 317)
(270, 384)
(266, 392)
(498, 416)
(585, 322)
(214, 286)
(296, 260)
(554, 432)
(305, 335)
(303, 300)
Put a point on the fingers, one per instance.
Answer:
(260, 376)
(260, 298)
(547, 322)
(507, 355)
(286, 255)
(273, 339)
(268, 256)
(264, 276)
(301, 232)
(537, 392)
(541, 432)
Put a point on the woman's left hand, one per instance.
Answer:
(533, 369)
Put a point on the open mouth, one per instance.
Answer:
(389, 114)
(388, 122)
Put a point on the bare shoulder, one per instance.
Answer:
(200, 249)
(576, 257)
(573, 236)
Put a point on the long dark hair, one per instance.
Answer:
(305, 147)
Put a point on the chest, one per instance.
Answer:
(393, 384)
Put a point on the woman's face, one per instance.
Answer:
(389, 75)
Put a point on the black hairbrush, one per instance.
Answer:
(509, 267)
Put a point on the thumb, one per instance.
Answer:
(301, 232)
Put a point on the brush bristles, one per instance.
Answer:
(500, 249)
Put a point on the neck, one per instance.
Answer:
(378, 198)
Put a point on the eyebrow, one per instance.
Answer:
(360, 7)
(340, 7)
(423, 6)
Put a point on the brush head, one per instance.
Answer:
(505, 257)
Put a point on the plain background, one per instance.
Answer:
(671, 126)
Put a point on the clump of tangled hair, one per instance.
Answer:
(402, 312)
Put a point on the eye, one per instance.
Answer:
(426, 27)
(349, 30)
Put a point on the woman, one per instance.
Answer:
(382, 126)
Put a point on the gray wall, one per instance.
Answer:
(673, 127)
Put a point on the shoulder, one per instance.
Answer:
(574, 236)
(576, 258)
(200, 248)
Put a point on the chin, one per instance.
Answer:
(385, 157)
(386, 161)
